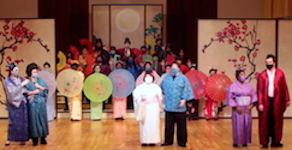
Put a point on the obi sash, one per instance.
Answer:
(243, 100)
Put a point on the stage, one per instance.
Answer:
(110, 134)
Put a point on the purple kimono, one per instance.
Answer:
(241, 95)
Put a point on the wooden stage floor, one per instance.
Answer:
(110, 134)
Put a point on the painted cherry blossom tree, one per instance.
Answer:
(243, 38)
(11, 36)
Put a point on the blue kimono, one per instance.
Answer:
(134, 72)
(175, 90)
(17, 110)
(38, 110)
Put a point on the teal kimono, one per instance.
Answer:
(38, 122)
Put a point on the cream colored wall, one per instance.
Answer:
(240, 8)
(285, 55)
(163, 2)
(18, 8)
(217, 54)
(32, 52)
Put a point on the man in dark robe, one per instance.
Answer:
(273, 99)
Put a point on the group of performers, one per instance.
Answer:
(174, 95)
(26, 103)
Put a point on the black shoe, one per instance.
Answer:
(277, 145)
(35, 141)
(182, 145)
(22, 143)
(235, 145)
(120, 118)
(144, 144)
(7, 143)
(207, 119)
(265, 146)
(244, 145)
(43, 140)
(165, 144)
(151, 144)
(216, 118)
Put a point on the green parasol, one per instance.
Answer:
(97, 87)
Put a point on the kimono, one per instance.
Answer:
(51, 107)
(150, 124)
(120, 106)
(114, 59)
(17, 110)
(105, 69)
(133, 71)
(278, 105)
(211, 107)
(241, 95)
(75, 104)
(96, 110)
(38, 121)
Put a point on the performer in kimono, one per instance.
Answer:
(75, 103)
(100, 50)
(115, 57)
(273, 98)
(96, 108)
(177, 91)
(134, 68)
(104, 66)
(17, 106)
(211, 106)
(38, 121)
(51, 99)
(146, 54)
(193, 105)
(242, 98)
(147, 97)
(119, 103)
(159, 50)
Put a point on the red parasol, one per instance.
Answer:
(217, 86)
(198, 82)
(75, 51)
(88, 44)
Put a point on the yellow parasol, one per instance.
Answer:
(70, 82)
(62, 60)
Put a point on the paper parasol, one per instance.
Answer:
(50, 80)
(217, 87)
(198, 82)
(70, 82)
(141, 77)
(97, 87)
(123, 82)
(62, 60)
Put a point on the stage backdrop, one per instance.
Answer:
(285, 54)
(113, 23)
(42, 30)
(226, 54)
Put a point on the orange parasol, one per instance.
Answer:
(88, 44)
(198, 82)
(217, 86)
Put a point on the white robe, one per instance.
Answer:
(150, 128)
